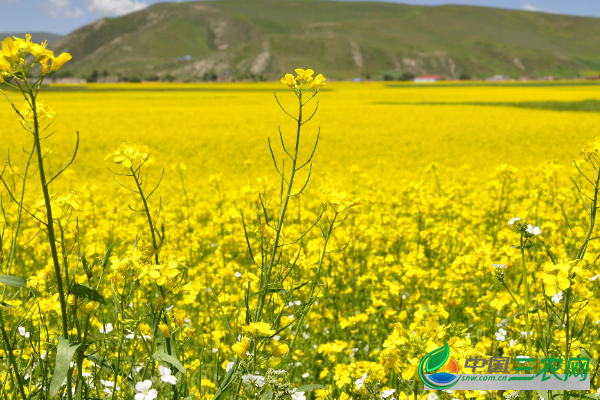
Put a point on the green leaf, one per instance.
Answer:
(107, 254)
(4, 304)
(64, 355)
(161, 355)
(79, 391)
(437, 358)
(310, 387)
(13, 281)
(589, 355)
(86, 292)
(98, 361)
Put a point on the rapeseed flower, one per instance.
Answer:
(303, 80)
(258, 329)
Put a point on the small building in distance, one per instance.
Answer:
(426, 78)
(499, 78)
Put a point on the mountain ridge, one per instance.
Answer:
(239, 39)
(37, 37)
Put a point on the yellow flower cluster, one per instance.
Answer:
(562, 276)
(261, 329)
(13, 56)
(303, 80)
(590, 148)
(128, 154)
(42, 110)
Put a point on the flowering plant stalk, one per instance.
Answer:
(18, 58)
(277, 282)
(562, 281)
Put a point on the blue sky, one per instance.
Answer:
(64, 16)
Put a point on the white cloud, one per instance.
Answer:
(115, 7)
(530, 7)
(61, 9)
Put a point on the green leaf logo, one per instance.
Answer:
(437, 358)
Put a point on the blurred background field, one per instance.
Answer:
(390, 130)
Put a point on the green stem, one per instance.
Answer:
(314, 284)
(566, 312)
(11, 358)
(13, 248)
(155, 247)
(593, 211)
(267, 277)
(50, 225)
(526, 300)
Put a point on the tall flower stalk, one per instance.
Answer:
(18, 58)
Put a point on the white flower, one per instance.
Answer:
(533, 230)
(237, 274)
(144, 392)
(305, 375)
(557, 297)
(499, 266)
(108, 328)
(360, 382)
(280, 372)
(593, 278)
(524, 334)
(298, 395)
(23, 332)
(513, 220)
(501, 335)
(432, 396)
(165, 375)
(387, 393)
(512, 343)
(597, 394)
(130, 336)
(107, 383)
(257, 380)
(511, 395)
(229, 366)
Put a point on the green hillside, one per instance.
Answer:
(244, 38)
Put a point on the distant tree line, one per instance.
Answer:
(209, 76)
(212, 76)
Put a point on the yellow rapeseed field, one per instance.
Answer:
(214, 128)
(185, 259)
